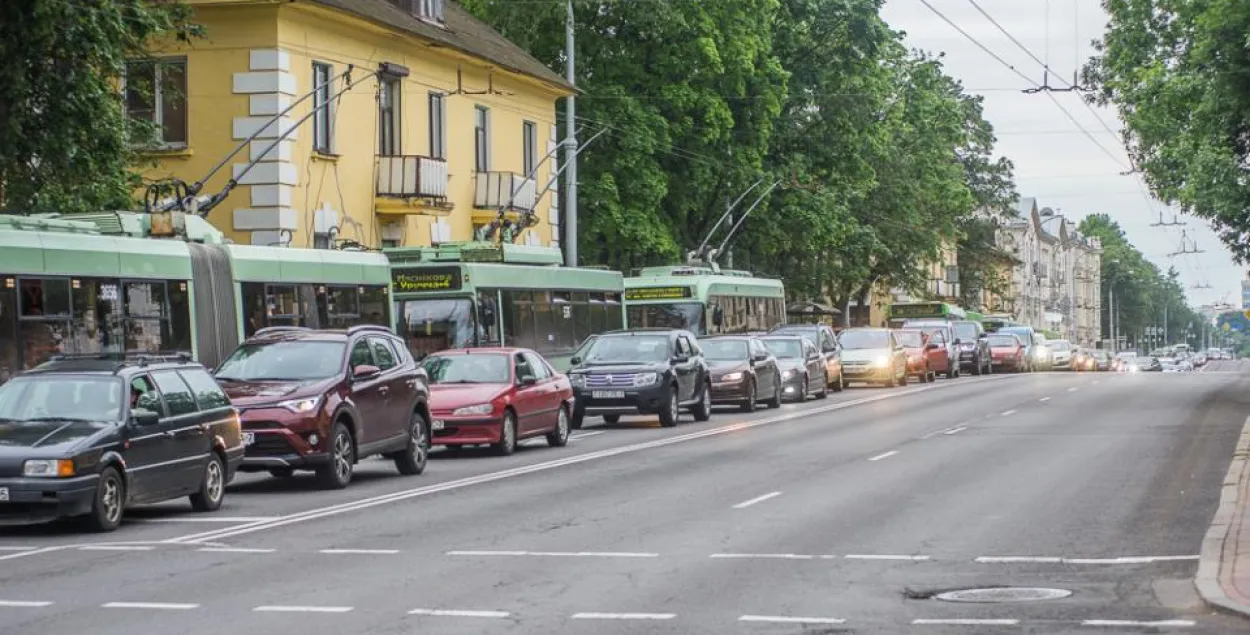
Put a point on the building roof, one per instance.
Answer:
(463, 32)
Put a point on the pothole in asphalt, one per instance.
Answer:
(990, 595)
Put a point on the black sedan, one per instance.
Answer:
(744, 372)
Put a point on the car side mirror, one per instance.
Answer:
(934, 346)
(760, 358)
(575, 360)
(528, 380)
(143, 417)
(983, 336)
(679, 359)
(956, 341)
(365, 371)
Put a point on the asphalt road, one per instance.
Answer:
(843, 515)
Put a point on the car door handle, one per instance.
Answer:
(384, 390)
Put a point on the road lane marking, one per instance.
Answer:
(558, 554)
(234, 550)
(1136, 623)
(17, 548)
(1044, 399)
(624, 616)
(765, 556)
(965, 622)
(359, 552)
(427, 490)
(955, 430)
(781, 619)
(758, 499)
(1073, 389)
(302, 609)
(864, 556)
(116, 548)
(458, 613)
(23, 604)
(153, 606)
(1015, 559)
(583, 435)
(486, 553)
(884, 456)
(209, 519)
(1008, 413)
(1062, 560)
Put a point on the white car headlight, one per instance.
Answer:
(1040, 353)
(578, 381)
(48, 468)
(645, 379)
(881, 362)
(301, 406)
(732, 377)
(786, 374)
(479, 409)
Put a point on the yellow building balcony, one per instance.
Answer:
(509, 191)
(412, 184)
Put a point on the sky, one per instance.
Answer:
(1054, 161)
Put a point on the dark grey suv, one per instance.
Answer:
(644, 371)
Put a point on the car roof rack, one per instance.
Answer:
(370, 328)
(127, 358)
(269, 330)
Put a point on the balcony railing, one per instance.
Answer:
(411, 176)
(493, 190)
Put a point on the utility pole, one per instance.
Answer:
(1111, 317)
(570, 175)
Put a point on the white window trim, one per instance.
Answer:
(486, 158)
(158, 113)
(438, 128)
(329, 109)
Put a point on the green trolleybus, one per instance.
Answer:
(902, 311)
(703, 299)
(483, 294)
(101, 283)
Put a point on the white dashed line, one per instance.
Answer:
(1015, 559)
(151, 606)
(780, 619)
(1096, 382)
(1044, 399)
(766, 556)
(302, 609)
(23, 604)
(360, 552)
(955, 430)
(115, 548)
(558, 554)
(864, 556)
(1008, 413)
(758, 499)
(884, 456)
(1073, 389)
(458, 613)
(965, 622)
(1060, 560)
(234, 550)
(1137, 623)
(583, 435)
(624, 616)
(210, 519)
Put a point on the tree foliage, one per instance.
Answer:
(64, 142)
(1179, 75)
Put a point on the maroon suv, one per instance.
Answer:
(322, 400)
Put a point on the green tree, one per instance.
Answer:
(1178, 73)
(66, 144)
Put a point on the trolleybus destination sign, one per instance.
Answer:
(427, 279)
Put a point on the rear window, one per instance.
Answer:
(966, 331)
(207, 392)
(912, 339)
(1003, 341)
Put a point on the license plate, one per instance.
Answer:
(608, 394)
(4, 493)
(438, 424)
(249, 438)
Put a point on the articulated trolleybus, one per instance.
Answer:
(485, 294)
(123, 282)
(704, 299)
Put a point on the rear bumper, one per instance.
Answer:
(33, 500)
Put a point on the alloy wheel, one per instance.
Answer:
(214, 481)
(111, 500)
(343, 456)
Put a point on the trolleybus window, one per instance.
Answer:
(678, 315)
(313, 306)
(430, 326)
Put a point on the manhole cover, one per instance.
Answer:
(1003, 594)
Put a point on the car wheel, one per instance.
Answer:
(611, 418)
(977, 367)
(110, 501)
(703, 410)
(338, 472)
(559, 437)
(803, 389)
(212, 487)
(749, 404)
(824, 388)
(411, 461)
(668, 417)
(775, 402)
(839, 385)
(579, 415)
(989, 367)
(281, 472)
(901, 378)
(507, 435)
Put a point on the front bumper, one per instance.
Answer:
(731, 391)
(34, 500)
(467, 430)
(648, 400)
(282, 448)
(967, 359)
(865, 372)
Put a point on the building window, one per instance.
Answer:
(428, 9)
(156, 92)
(322, 131)
(481, 139)
(529, 146)
(389, 118)
(438, 127)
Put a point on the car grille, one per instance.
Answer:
(601, 381)
(270, 445)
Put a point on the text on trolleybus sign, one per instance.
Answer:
(657, 293)
(430, 279)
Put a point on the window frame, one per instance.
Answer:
(438, 125)
(155, 375)
(481, 138)
(390, 111)
(323, 120)
(529, 147)
(157, 100)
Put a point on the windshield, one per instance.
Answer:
(859, 340)
(1003, 341)
(1024, 334)
(688, 316)
(61, 397)
(724, 350)
(481, 368)
(966, 331)
(1060, 345)
(810, 334)
(295, 360)
(430, 326)
(910, 339)
(787, 348)
(628, 349)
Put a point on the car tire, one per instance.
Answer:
(507, 435)
(775, 402)
(579, 417)
(668, 416)
(803, 389)
(840, 385)
(281, 472)
(411, 461)
(977, 367)
(559, 437)
(824, 388)
(109, 503)
(750, 404)
(212, 488)
(702, 411)
(337, 474)
(611, 419)
(901, 380)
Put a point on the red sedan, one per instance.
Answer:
(1006, 351)
(497, 397)
(914, 345)
(936, 355)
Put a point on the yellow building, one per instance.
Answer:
(425, 152)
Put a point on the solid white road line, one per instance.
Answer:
(234, 550)
(23, 604)
(302, 609)
(765, 556)
(758, 499)
(966, 622)
(360, 552)
(884, 456)
(1060, 560)
(624, 616)
(864, 556)
(781, 619)
(1137, 623)
(210, 519)
(1044, 399)
(18, 548)
(458, 613)
(154, 606)
(955, 430)
(1009, 413)
(116, 548)
(394, 497)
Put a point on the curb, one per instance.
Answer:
(1234, 493)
